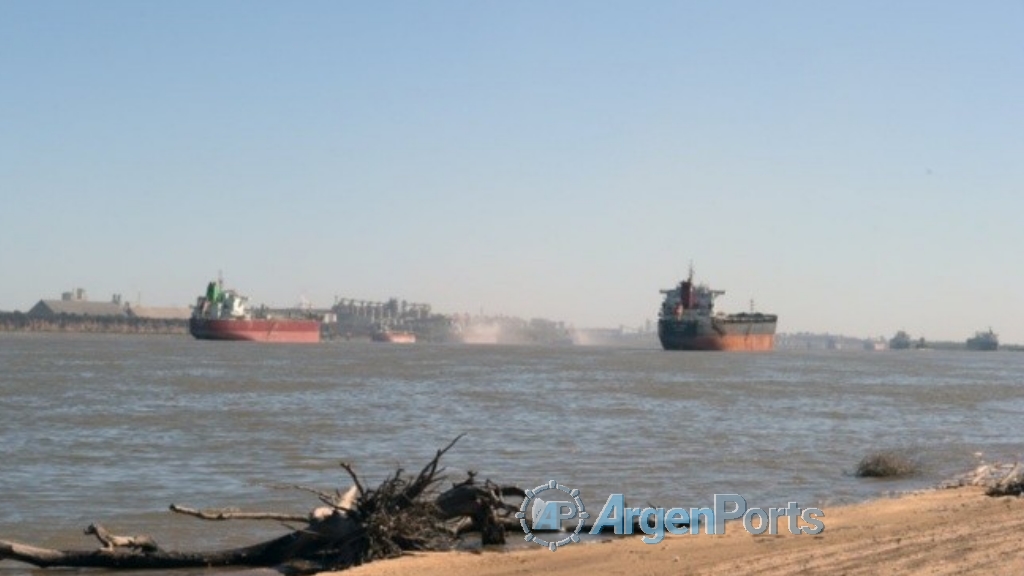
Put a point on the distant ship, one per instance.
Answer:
(393, 336)
(687, 321)
(225, 315)
(983, 341)
(901, 341)
(875, 345)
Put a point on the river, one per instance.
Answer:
(114, 428)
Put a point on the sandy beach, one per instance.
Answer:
(946, 531)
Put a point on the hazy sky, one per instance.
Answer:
(855, 167)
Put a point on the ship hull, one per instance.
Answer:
(982, 345)
(269, 330)
(751, 333)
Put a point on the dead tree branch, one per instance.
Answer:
(231, 514)
(111, 541)
(360, 525)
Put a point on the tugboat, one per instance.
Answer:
(386, 334)
(987, 341)
(687, 321)
(225, 315)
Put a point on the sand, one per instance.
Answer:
(946, 531)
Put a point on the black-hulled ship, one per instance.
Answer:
(983, 341)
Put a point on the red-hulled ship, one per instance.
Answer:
(687, 322)
(225, 315)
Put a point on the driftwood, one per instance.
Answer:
(1011, 484)
(998, 479)
(404, 513)
(110, 541)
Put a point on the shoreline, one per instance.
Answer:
(938, 531)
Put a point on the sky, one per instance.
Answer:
(854, 167)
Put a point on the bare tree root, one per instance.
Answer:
(403, 513)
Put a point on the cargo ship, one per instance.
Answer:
(687, 321)
(226, 315)
(987, 341)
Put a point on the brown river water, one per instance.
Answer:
(113, 429)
